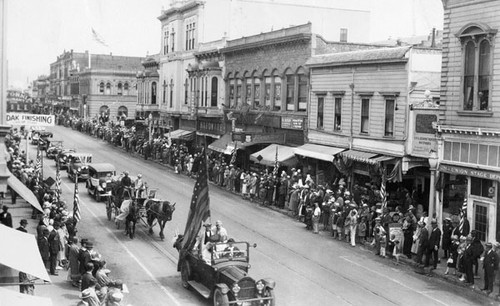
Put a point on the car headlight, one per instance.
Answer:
(260, 286)
(103, 184)
(236, 288)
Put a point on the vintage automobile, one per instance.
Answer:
(220, 271)
(54, 148)
(38, 136)
(78, 166)
(99, 181)
(62, 158)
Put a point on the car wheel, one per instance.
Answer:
(220, 299)
(185, 274)
(270, 293)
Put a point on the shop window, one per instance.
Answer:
(389, 118)
(365, 115)
(321, 109)
(454, 192)
(337, 124)
(482, 187)
(215, 92)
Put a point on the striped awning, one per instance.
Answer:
(366, 157)
(182, 134)
(320, 152)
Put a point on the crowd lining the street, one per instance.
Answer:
(356, 216)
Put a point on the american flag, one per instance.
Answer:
(38, 167)
(76, 204)
(199, 210)
(463, 214)
(233, 153)
(276, 163)
(58, 182)
(383, 193)
(98, 38)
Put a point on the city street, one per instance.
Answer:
(308, 269)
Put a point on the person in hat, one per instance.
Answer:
(423, 242)
(490, 266)
(22, 227)
(219, 232)
(139, 186)
(468, 262)
(5, 216)
(433, 245)
(126, 180)
(114, 296)
(89, 295)
(353, 225)
(379, 233)
(72, 254)
(453, 255)
(447, 230)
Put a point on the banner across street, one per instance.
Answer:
(30, 119)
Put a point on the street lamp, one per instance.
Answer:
(433, 164)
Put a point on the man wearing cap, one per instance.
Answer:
(434, 240)
(490, 266)
(22, 227)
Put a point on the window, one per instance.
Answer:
(290, 88)
(231, 94)
(165, 42)
(202, 83)
(482, 187)
(122, 111)
(190, 29)
(193, 96)
(343, 35)
(481, 220)
(186, 91)
(276, 101)
(164, 91)
(267, 91)
(337, 117)
(205, 89)
(248, 91)
(193, 27)
(153, 93)
(172, 42)
(108, 88)
(321, 109)
(101, 88)
(302, 93)
(365, 115)
(476, 43)
(171, 93)
(125, 89)
(238, 92)
(214, 91)
(120, 89)
(256, 92)
(389, 117)
(188, 38)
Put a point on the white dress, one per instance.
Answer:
(124, 210)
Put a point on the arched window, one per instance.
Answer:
(125, 89)
(484, 75)
(101, 88)
(171, 92)
(470, 59)
(276, 96)
(256, 92)
(108, 88)
(214, 91)
(122, 112)
(120, 89)
(153, 93)
(164, 91)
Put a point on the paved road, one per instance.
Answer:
(308, 269)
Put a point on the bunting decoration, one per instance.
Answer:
(58, 183)
(463, 215)
(38, 167)
(276, 164)
(383, 193)
(76, 204)
(233, 153)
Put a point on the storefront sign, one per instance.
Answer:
(490, 175)
(292, 123)
(424, 139)
(30, 119)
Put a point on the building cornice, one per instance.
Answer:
(450, 129)
(301, 37)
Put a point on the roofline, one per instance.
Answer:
(173, 10)
(267, 42)
(357, 63)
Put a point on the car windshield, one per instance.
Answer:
(104, 174)
(230, 251)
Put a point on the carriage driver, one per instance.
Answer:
(139, 186)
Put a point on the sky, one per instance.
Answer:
(40, 30)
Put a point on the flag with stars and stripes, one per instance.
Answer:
(38, 167)
(58, 182)
(463, 215)
(276, 164)
(199, 211)
(383, 193)
(76, 204)
(233, 153)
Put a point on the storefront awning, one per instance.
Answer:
(20, 252)
(366, 157)
(182, 135)
(320, 152)
(267, 156)
(226, 145)
(23, 191)
(14, 298)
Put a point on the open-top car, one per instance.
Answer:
(54, 148)
(99, 181)
(63, 157)
(220, 271)
(78, 166)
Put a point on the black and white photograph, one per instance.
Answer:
(249, 152)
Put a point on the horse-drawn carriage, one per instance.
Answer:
(139, 206)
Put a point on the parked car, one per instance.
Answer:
(54, 148)
(62, 158)
(99, 181)
(78, 166)
(224, 275)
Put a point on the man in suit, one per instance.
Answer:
(490, 266)
(423, 242)
(468, 260)
(54, 247)
(23, 224)
(5, 216)
(87, 278)
(43, 247)
(434, 240)
(84, 257)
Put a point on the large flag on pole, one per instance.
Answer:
(76, 204)
(233, 153)
(199, 211)
(383, 192)
(463, 215)
(38, 167)
(58, 182)
(98, 38)
(276, 163)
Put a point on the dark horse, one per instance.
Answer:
(161, 211)
(131, 219)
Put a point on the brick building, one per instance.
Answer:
(469, 128)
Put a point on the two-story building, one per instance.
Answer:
(359, 116)
(469, 128)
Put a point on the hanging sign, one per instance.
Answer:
(30, 119)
